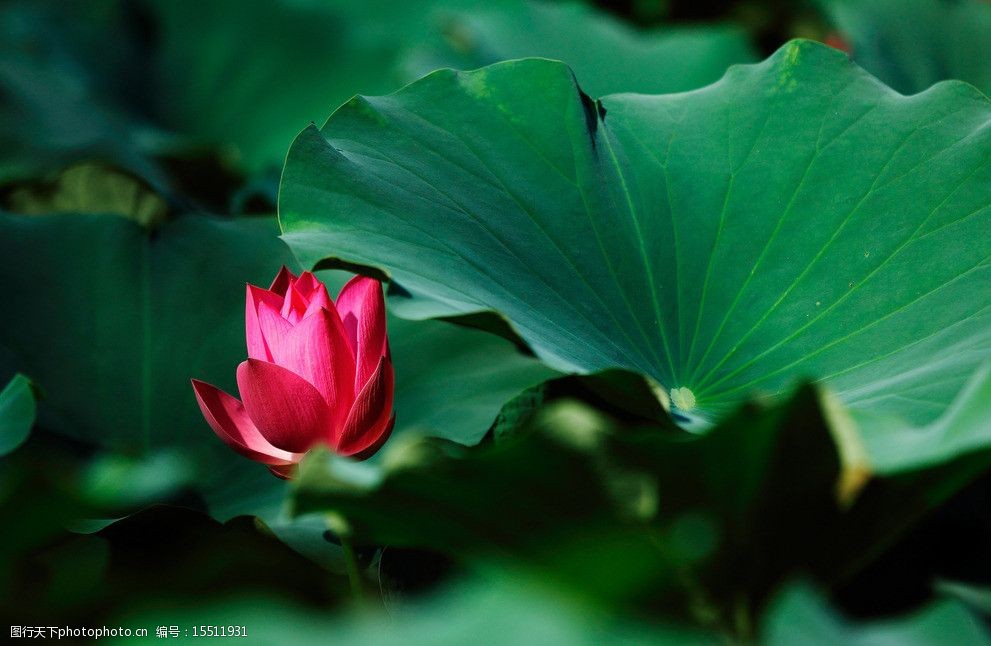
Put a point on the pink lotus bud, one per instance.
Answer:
(317, 373)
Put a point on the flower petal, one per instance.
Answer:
(294, 305)
(285, 472)
(306, 284)
(369, 416)
(318, 299)
(288, 411)
(371, 449)
(316, 350)
(228, 419)
(273, 327)
(257, 348)
(362, 310)
(282, 281)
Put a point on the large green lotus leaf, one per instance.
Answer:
(606, 55)
(911, 44)
(797, 219)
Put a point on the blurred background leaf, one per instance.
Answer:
(912, 44)
(131, 314)
(492, 612)
(800, 616)
(17, 411)
(154, 560)
(186, 76)
(606, 55)
(701, 530)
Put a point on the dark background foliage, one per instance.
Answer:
(141, 144)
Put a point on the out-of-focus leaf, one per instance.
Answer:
(224, 74)
(964, 426)
(91, 188)
(157, 558)
(624, 515)
(606, 55)
(625, 395)
(112, 481)
(975, 596)
(217, 73)
(506, 611)
(696, 528)
(513, 611)
(800, 616)
(58, 79)
(912, 44)
(798, 219)
(114, 320)
(17, 411)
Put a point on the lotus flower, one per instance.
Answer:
(317, 373)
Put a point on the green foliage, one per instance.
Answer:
(801, 616)
(689, 261)
(797, 219)
(17, 411)
(91, 188)
(451, 381)
(143, 312)
(700, 530)
(219, 74)
(164, 306)
(912, 44)
(62, 102)
(153, 559)
(609, 57)
(505, 611)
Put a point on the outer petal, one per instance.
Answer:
(316, 350)
(288, 411)
(228, 419)
(282, 281)
(371, 449)
(371, 413)
(285, 472)
(257, 348)
(362, 309)
(273, 327)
